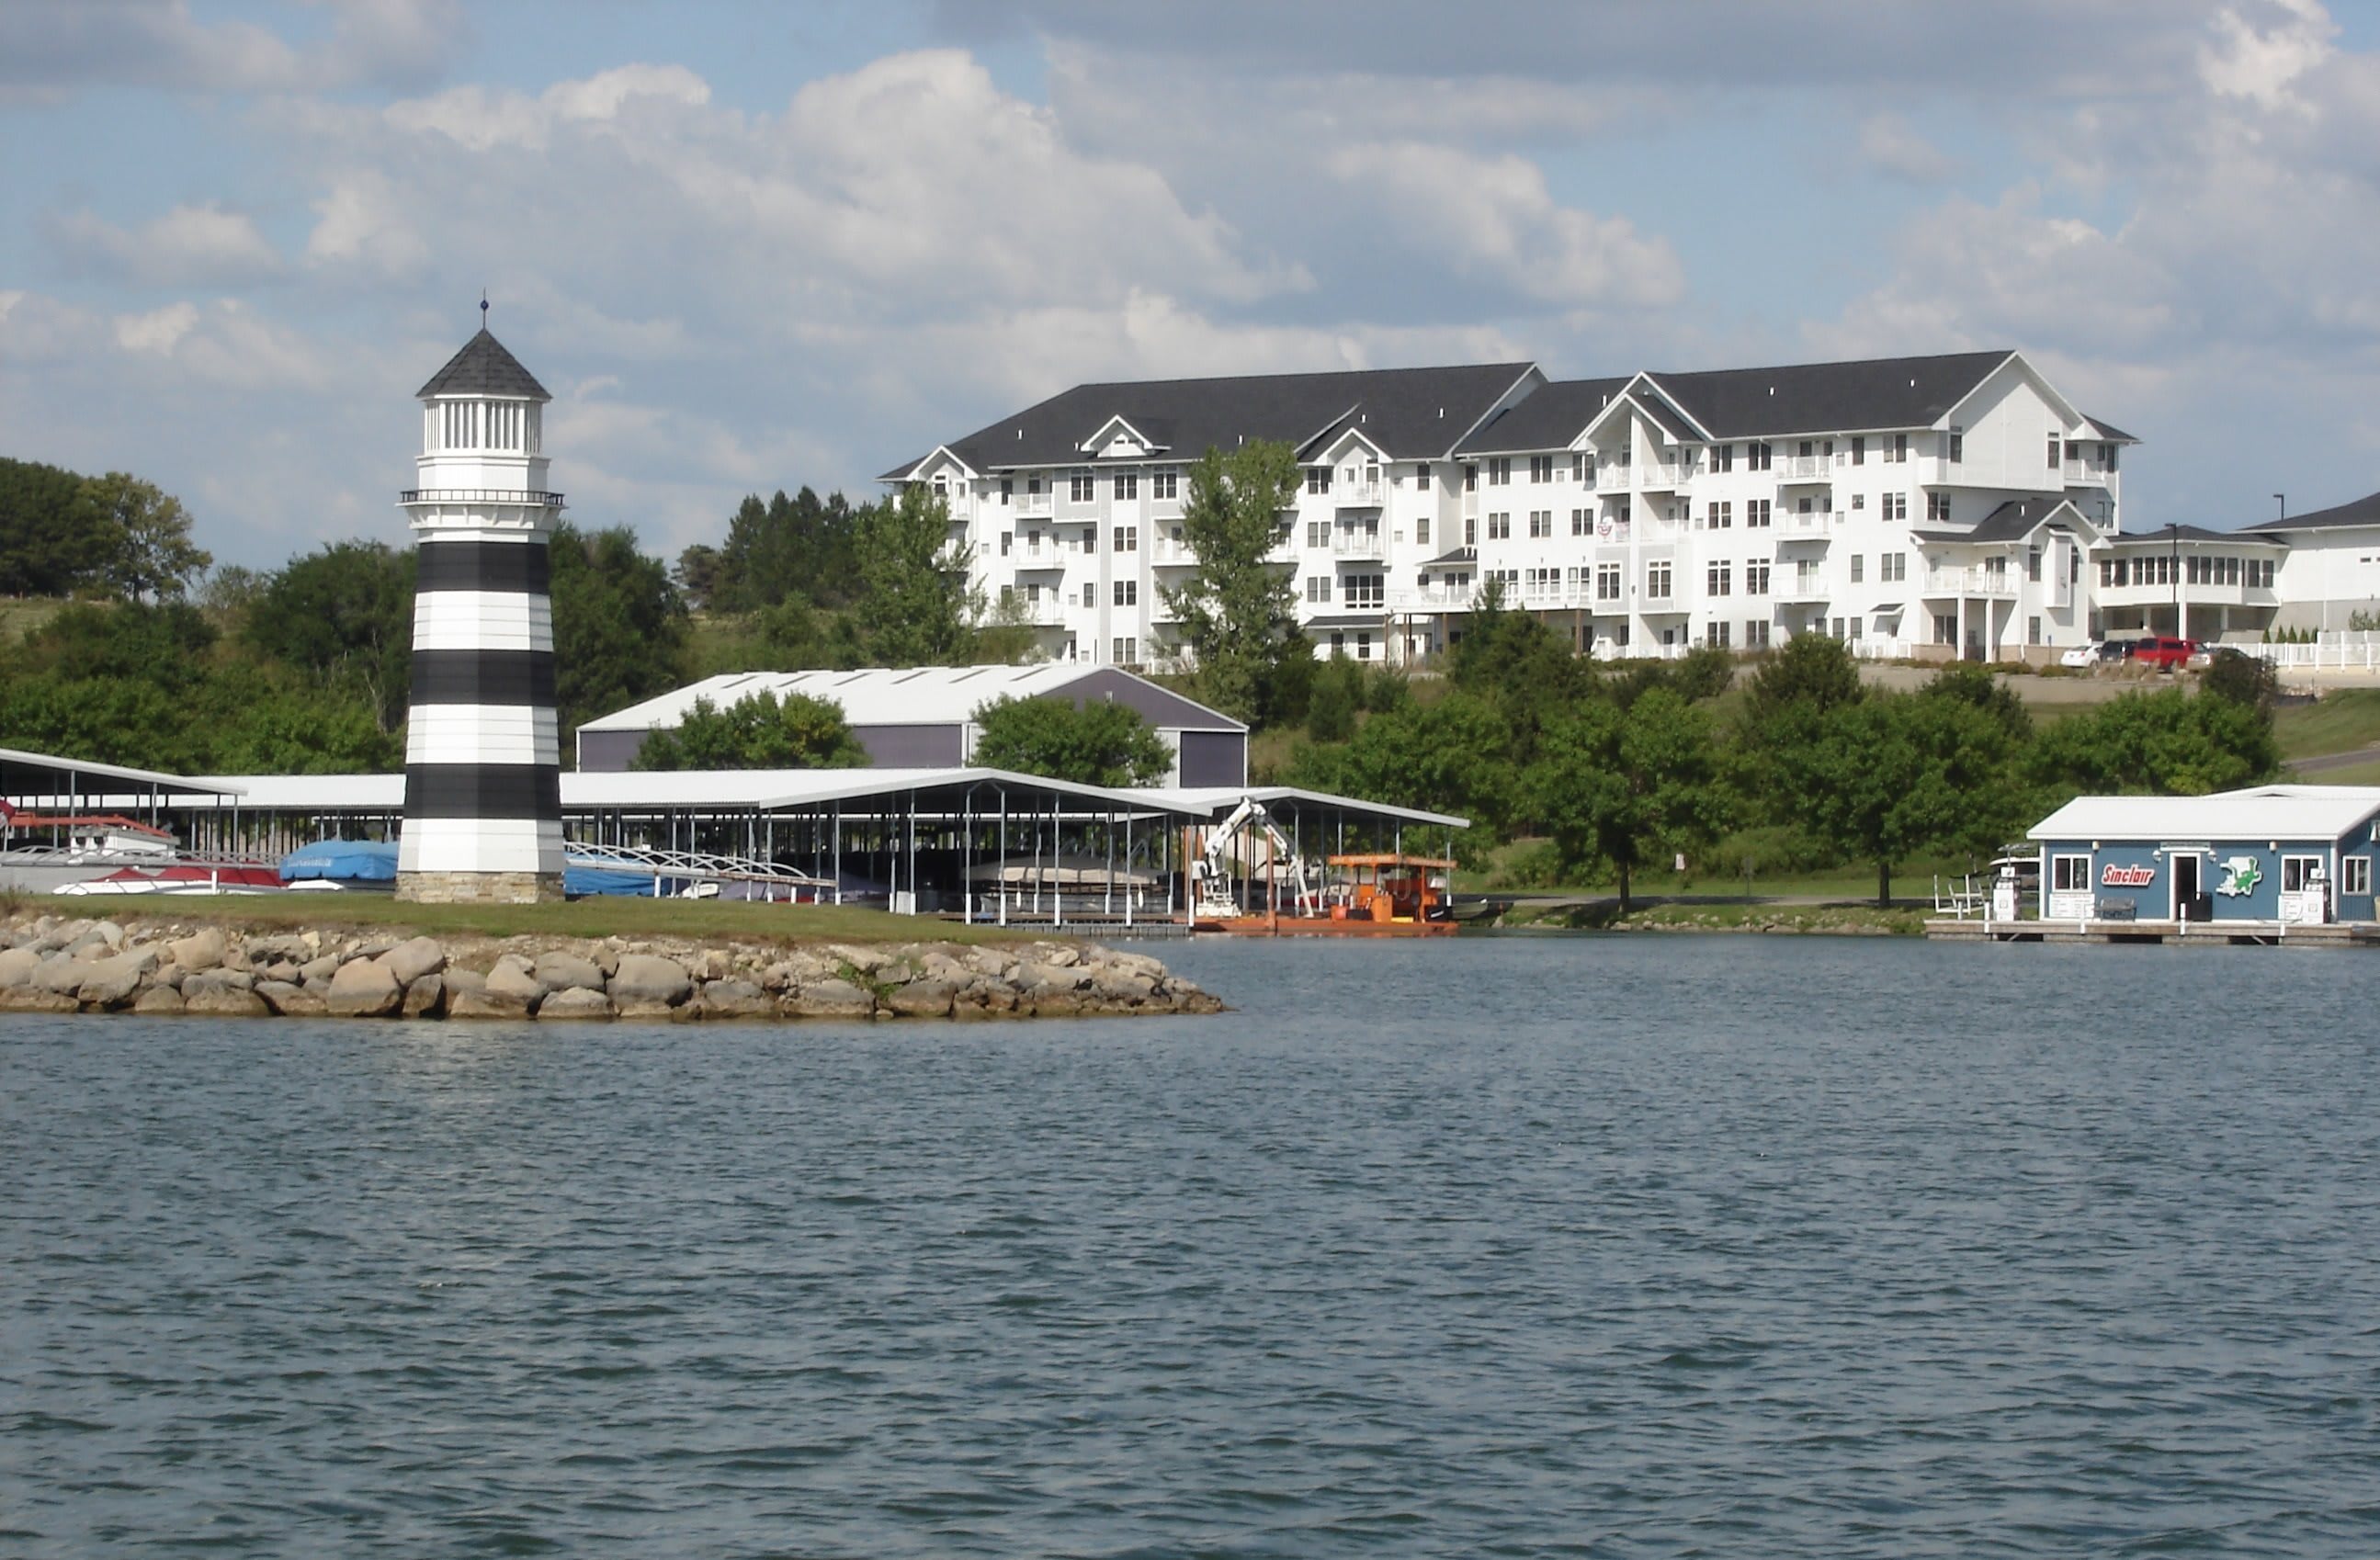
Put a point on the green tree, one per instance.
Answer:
(2164, 744)
(2251, 682)
(1095, 742)
(1238, 615)
(1892, 777)
(1336, 697)
(758, 732)
(151, 555)
(53, 540)
(344, 615)
(231, 589)
(698, 576)
(1628, 786)
(1517, 663)
(1451, 757)
(1812, 673)
(619, 623)
(915, 608)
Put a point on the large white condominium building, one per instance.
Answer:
(1940, 505)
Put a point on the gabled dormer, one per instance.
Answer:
(1117, 439)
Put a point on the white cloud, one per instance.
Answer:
(1493, 216)
(360, 221)
(1889, 144)
(2242, 59)
(52, 47)
(189, 246)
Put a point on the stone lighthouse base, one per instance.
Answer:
(479, 888)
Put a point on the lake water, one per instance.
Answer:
(1629, 1246)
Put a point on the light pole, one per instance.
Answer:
(2180, 620)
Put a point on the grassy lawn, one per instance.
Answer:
(694, 920)
(20, 615)
(1855, 883)
(2337, 722)
(1816, 919)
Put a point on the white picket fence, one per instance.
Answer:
(2347, 650)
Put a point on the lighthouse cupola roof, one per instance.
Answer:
(484, 368)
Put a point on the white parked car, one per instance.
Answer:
(2082, 657)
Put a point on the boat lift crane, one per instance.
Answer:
(1211, 874)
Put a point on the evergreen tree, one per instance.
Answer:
(916, 608)
(1238, 613)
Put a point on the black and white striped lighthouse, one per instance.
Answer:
(482, 755)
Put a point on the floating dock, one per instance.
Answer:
(2203, 934)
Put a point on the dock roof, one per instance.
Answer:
(2269, 811)
(917, 695)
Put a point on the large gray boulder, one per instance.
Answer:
(425, 996)
(109, 983)
(564, 971)
(830, 999)
(484, 1003)
(411, 959)
(61, 974)
(647, 978)
(316, 974)
(158, 999)
(732, 998)
(290, 999)
(224, 1001)
(34, 999)
(922, 1000)
(17, 966)
(514, 977)
(574, 1003)
(363, 988)
(216, 980)
(203, 949)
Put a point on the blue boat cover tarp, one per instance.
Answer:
(580, 882)
(341, 861)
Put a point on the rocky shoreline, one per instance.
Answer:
(156, 966)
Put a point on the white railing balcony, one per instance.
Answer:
(1358, 544)
(1805, 469)
(1359, 495)
(1167, 553)
(1038, 557)
(1970, 582)
(2088, 474)
(1661, 475)
(1613, 478)
(1033, 503)
(1933, 471)
(1801, 589)
(1561, 594)
(1811, 528)
(1431, 598)
(1039, 611)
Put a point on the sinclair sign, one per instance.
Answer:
(2115, 876)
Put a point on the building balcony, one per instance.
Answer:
(1036, 559)
(529, 497)
(1359, 495)
(1666, 475)
(1614, 478)
(2088, 474)
(1036, 611)
(1970, 582)
(1802, 590)
(1033, 504)
(1802, 471)
(1356, 543)
(1167, 553)
(1431, 598)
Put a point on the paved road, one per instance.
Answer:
(2335, 761)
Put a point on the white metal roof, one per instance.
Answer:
(88, 770)
(763, 789)
(920, 696)
(1215, 800)
(2267, 812)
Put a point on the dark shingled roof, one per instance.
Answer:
(1410, 413)
(1875, 393)
(1548, 419)
(2364, 511)
(2110, 432)
(2012, 521)
(483, 367)
(2162, 535)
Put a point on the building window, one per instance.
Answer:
(1365, 591)
(1317, 587)
(1317, 478)
(2355, 875)
(1471, 479)
(2032, 631)
(1891, 566)
(1317, 533)
(2069, 874)
(1127, 651)
(2298, 871)
(1756, 633)
(2033, 565)
(1090, 538)
(1859, 501)
(1165, 483)
(1757, 457)
(1855, 626)
(1716, 634)
(1127, 540)
(1756, 578)
(1606, 582)
(2053, 452)
(1079, 487)
(1937, 506)
(1541, 468)
(1127, 484)
(1720, 516)
(1858, 449)
(1006, 540)
(1892, 506)
(1541, 522)
(1500, 527)
(1471, 531)
(1500, 471)
(1656, 581)
(1899, 454)
(1755, 512)
(1128, 593)
(1007, 489)
(1719, 578)
(1421, 477)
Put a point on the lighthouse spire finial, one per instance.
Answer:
(483, 308)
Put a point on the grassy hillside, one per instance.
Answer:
(2342, 721)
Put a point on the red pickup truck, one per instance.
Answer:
(2165, 652)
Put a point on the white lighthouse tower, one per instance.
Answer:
(482, 754)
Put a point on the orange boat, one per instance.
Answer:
(1387, 895)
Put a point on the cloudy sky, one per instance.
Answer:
(754, 245)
